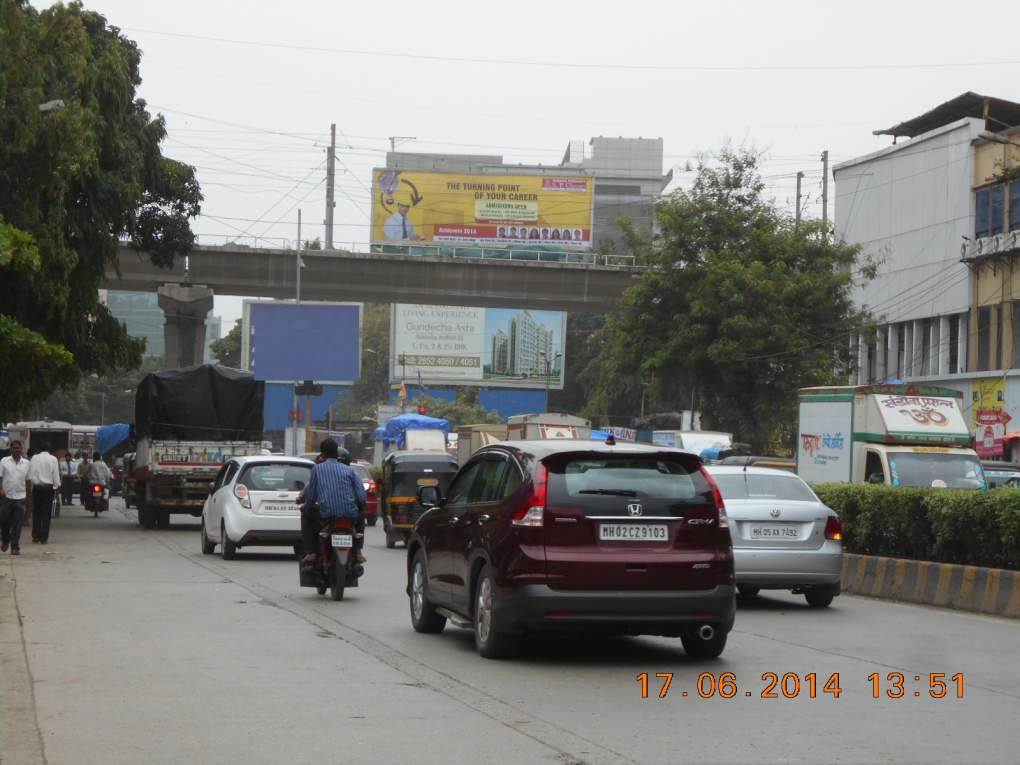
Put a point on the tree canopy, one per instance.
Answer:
(740, 307)
(76, 179)
(465, 409)
(227, 349)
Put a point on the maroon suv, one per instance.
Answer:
(575, 535)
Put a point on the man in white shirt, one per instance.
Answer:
(68, 472)
(44, 475)
(13, 491)
(398, 226)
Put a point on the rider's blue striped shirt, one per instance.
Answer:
(337, 489)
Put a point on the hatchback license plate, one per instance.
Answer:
(273, 507)
(774, 532)
(343, 540)
(633, 532)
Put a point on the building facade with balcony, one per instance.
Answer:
(940, 213)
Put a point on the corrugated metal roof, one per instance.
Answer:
(998, 113)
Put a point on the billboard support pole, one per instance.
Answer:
(297, 295)
(308, 423)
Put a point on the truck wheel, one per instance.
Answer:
(371, 521)
(228, 549)
(147, 516)
(163, 519)
(390, 541)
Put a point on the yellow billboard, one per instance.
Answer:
(421, 206)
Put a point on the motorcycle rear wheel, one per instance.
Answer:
(337, 578)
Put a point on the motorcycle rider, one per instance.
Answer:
(97, 472)
(333, 491)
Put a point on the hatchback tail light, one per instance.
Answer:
(720, 506)
(531, 511)
(834, 529)
(241, 492)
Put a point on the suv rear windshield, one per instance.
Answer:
(611, 485)
(280, 476)
(757, 486)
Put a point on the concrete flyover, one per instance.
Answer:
(385, 278)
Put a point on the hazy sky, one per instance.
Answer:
(792, 78)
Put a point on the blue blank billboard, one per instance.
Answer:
(284, 342)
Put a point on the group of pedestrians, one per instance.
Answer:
(44, 475)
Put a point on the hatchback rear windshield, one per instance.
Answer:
(282, 476)
(767, 487)
(626, 485)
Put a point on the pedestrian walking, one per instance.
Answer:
(44, 475)
(83, 469)
(13, 492)
(67, 476)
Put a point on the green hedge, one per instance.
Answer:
(977, 528)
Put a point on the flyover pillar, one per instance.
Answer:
(185, 307)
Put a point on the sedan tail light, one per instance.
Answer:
(241, 492)
(720, 506)
(531, 511)
(834, 529)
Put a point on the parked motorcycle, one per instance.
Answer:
(98, 499)
(336, 567)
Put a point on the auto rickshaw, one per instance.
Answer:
(403, 473)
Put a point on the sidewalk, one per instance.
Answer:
(20, 741)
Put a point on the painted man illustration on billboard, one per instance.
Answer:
(398, 226)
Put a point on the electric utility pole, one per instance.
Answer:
(297, 295)
(825, 193)
(330, 185)
(800, 177)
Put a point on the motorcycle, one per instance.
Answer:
(336, 567)
(98, 499)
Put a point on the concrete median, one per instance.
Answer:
(967, 588)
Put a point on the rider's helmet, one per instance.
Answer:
(344, 456)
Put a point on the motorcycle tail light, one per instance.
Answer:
(97, 488)
(241, 492)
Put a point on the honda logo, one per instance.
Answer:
(775, 512)
(634, 508)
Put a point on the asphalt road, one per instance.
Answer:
(141, 649)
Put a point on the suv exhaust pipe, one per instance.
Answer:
(706, 632)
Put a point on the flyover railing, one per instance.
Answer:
(533, 253)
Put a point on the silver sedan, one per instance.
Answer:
(784, 537)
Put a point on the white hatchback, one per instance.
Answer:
(784, 537)
(252, 502)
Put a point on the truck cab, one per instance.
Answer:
(897, 435)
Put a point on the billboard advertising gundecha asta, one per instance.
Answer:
(489, 347)
(421, 206)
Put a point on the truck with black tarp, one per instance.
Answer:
(188, 422)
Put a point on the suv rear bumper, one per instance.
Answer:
(628, 612)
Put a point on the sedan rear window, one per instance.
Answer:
(627, 485)
(768, 487)
(284, 476)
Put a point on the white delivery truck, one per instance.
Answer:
(410, 432)
(898, 435)
(533, 427)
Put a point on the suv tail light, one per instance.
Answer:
(241, 492)
(834, 529)
(531, 511)
(720, 506)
